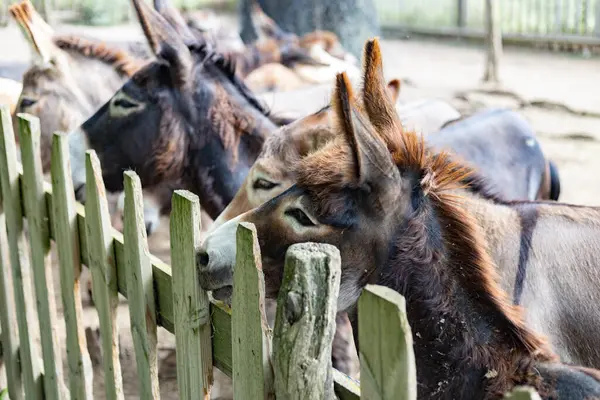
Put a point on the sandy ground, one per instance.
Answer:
(553, 91)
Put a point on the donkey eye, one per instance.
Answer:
(299, 216)
(124, 103)
(263, 184)
(27, 102)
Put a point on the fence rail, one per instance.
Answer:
(239, 343)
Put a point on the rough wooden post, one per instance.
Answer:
(39, 243)
(9, 336)
(493, 40)
(522, 393)
(387, 360)
(190, 303)
(21, 273)
(140, 289)
(252, 370)
(305, 322)
(104, 275)
(66, 230)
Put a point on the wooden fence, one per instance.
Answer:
(293, 362)
(558, 22)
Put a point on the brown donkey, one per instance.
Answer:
(281, 49)
(386, 202)
(547, 253)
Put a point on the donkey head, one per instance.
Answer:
(273, 172)
(183, 117)
(69, 79)
(350, 193)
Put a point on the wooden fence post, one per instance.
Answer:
(68, 247)
(385, 346)
(104, 275)
(493, 40)
(252, 370)
(140, 289)
(190, 303)
(21, 272)
(305, 322)
(9, 336)
(34, 199)
(522, 393)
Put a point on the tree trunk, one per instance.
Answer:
(354, 21)
(493, 41)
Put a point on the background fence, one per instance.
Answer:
(554, 22)
(533, 21)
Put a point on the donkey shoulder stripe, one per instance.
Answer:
(528, 217)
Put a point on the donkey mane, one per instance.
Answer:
(225, 62)
(122, 62)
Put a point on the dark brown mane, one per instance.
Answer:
(227, 65)
(123, 63)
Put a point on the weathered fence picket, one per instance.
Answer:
(382, 315)
(252, 370)
(104, 276)
(305, 322)
(142, 310)
(21, 273)
(39, 244)
(8, 320)
(191, 306)
(64, 218)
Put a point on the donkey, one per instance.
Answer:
(519, 171)
(281, 49)
(390, 206)
(185, 117)
(325, 53)
(70, 77)
(556, 248)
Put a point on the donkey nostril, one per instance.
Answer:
(202, 258)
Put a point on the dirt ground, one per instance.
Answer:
(557, 93)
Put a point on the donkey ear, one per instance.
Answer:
(265, 27)
(174, 17)
(393, 88)
(378, 104)
(37, 32)
(165, 42)
(371, 158)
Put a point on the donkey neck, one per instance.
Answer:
(220, 161)
(466, 343)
